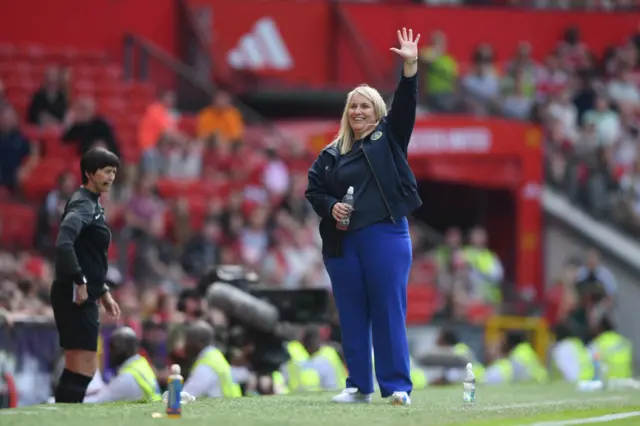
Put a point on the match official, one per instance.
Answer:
(80, 270)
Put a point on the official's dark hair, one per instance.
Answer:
(96, 159)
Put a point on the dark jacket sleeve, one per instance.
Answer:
(317, 193)
(402, 117)
(73, 133)
(79, 214)
(35, 108)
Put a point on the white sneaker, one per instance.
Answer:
(400, 398)
(351, 396)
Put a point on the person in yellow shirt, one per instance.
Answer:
(221, 118)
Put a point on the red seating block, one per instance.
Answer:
(17, 225)
(421, 304)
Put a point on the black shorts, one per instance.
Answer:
(78, 326)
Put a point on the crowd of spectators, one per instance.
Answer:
(251, 201)
(251, 208)
(606, 5)
(586, 102)
(584, 291)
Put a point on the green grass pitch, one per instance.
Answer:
(499, 406)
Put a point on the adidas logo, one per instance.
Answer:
(261, 49)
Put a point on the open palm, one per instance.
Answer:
(408, 46)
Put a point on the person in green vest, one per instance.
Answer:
(136, 380)
(570, 359)
(527, 366)
(419, 377)
(210, 373)
(324, 360)
(615, 350)
(487, 270)
(448, 338)
(499, 372)
(440, 75)
(296, 373)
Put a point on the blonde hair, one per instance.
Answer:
(345, 138)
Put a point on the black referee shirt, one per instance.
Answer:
(83, 243)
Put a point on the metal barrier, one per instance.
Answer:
(537, 326)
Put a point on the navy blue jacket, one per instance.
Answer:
(386, 152)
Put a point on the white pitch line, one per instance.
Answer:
(601, 419)
(480, 407)
(27, 410)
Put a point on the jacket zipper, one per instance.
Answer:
(379, 186)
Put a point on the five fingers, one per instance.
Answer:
(404, 37)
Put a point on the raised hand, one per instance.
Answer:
(408, 46)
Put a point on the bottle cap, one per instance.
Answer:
(469, 366)
(350, 190)
(175, 369)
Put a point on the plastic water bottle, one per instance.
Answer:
(469, 383)
(348, 199)
(597, 368)
(174, 385)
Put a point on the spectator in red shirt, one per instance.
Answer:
(561, 297)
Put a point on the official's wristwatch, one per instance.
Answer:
(80, 280)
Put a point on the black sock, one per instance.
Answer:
(72, 387)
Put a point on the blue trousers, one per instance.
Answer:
(370, 289)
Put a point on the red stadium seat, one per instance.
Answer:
(17, 225)
(43, 177)
(8, 52)
(479, 313)
(421, 304)
(171, 188)
(189, 125)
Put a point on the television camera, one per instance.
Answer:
(260, 318)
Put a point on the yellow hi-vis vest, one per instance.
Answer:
(144, 376)
(332, 356)
(528, 358)
(616, 353)
(419, 379)
(478, 369)
(214, 359)
(584, 360)
(506, 369)
(279, 384)
(484, 260)
(298, 355)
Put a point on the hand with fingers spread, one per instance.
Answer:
(408, 45)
